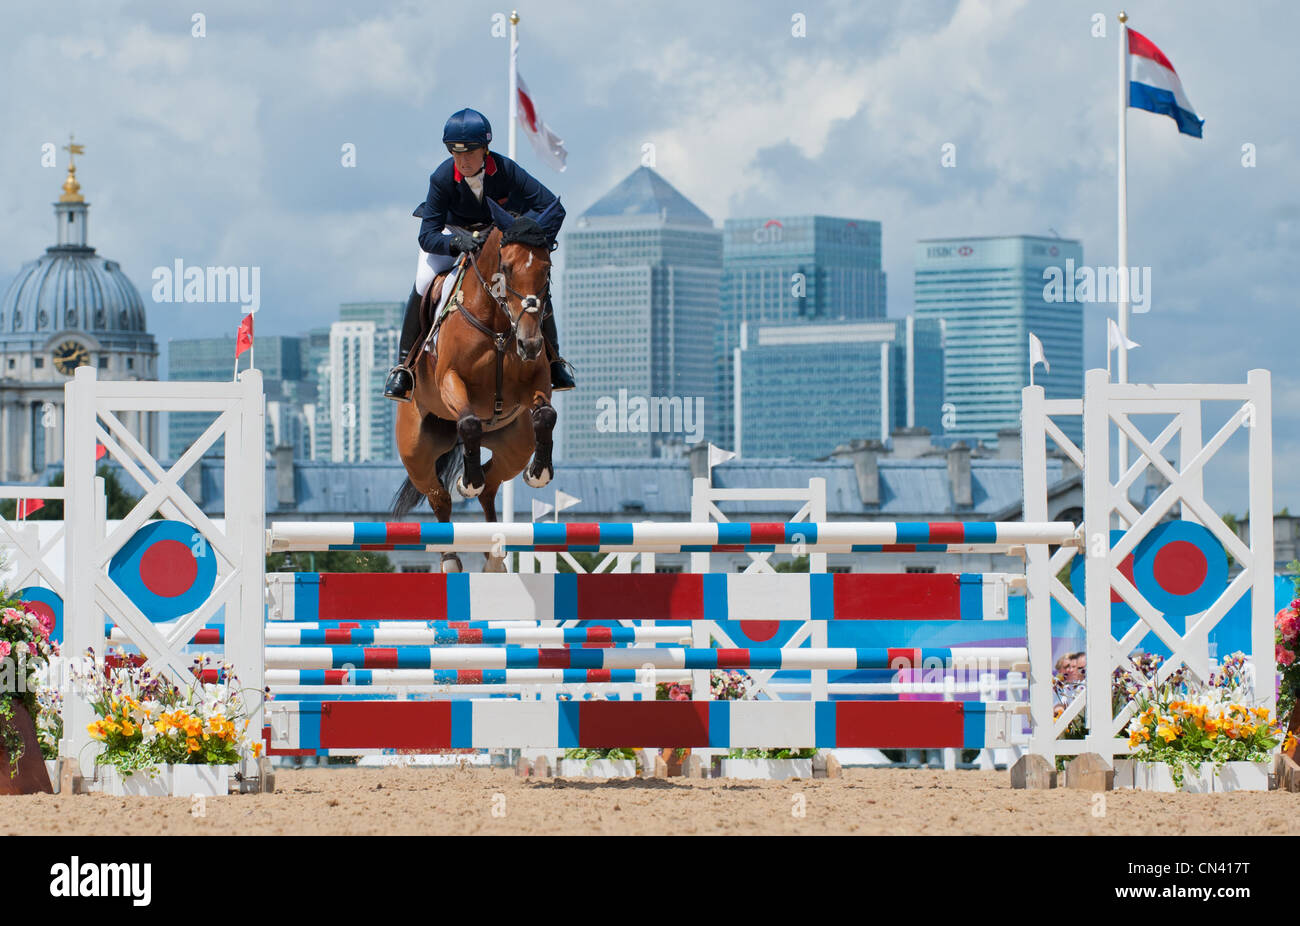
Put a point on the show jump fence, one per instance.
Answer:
(481, 634)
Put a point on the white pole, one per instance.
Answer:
(508, 489)
(1122, 161)
(1122, 257)
(512, 107)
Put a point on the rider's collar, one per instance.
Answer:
(489, 168)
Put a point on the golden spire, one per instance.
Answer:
(71, 188)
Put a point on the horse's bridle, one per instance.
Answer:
(501, 339)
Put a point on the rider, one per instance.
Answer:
(452, 210)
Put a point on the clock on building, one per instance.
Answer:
(69, 355)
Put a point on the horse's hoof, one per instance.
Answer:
(539, 480)
(451, 564)
(467, 491)
(494, 563)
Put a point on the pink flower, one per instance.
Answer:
(1284, 656)
(4, 648)
(47, 624)
(1288, 623)
(11, 616)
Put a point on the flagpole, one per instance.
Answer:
(513, 103)
(1122, 257)
(508, 488)
(1122, 191)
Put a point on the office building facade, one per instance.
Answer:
(806, 389)
(809, 269)
(990, 294)
(640, 304)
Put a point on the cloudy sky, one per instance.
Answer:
(225, 149)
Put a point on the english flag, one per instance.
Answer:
(548, 145)
(1153, 85)
(245, 338)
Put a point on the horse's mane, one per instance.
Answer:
(526, 232)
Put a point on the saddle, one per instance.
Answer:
(427, 341)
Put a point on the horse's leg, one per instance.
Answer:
(421, 440)
(511, 446)
(470, 430)
(543, 419)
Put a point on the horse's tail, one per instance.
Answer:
(451, 464)
(449, 467)
(407, 497)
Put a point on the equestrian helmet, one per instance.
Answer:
(465, 130)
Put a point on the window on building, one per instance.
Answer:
(103, 362)
(38, 362)
(839, 569)
(130, 363)
(918, 570)
(11, 363)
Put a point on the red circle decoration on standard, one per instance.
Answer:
(167, 569)
(760, 631)
(45, 602)
(1180, 568)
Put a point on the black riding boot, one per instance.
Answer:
(561, 379)
(400, 379)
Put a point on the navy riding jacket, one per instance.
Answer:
(452, 202)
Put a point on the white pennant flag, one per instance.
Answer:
(548, 145)
(564, 500)
(1036, 355)
(718, 455)
(540, 509)
(1115, 337)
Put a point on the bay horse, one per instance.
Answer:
(488, 384)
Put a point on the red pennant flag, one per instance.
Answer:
(27, 506)
(100, 450)
(245, 339)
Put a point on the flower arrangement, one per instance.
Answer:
(1207, 727)
(145, 720)
(1286, 639)
(25, 652)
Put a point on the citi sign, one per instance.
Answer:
(771, 232)
(950, 250)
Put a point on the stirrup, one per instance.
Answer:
(394, 388)
(562, 375)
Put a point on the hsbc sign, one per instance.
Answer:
(949, 250)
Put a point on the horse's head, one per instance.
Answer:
(525, 275)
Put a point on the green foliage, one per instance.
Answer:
(119, 501)
(590, 754)
(329, 561)
(771, 753)
(797, 564)
(588, 561)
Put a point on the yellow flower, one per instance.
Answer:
(128, 728)
(1260, 712)
(1289, 743)
(1168, 731)
(257, 750)
(193, 744)
(95, 730)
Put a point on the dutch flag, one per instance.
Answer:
(1154, 86)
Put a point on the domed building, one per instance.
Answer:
(67, 308)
